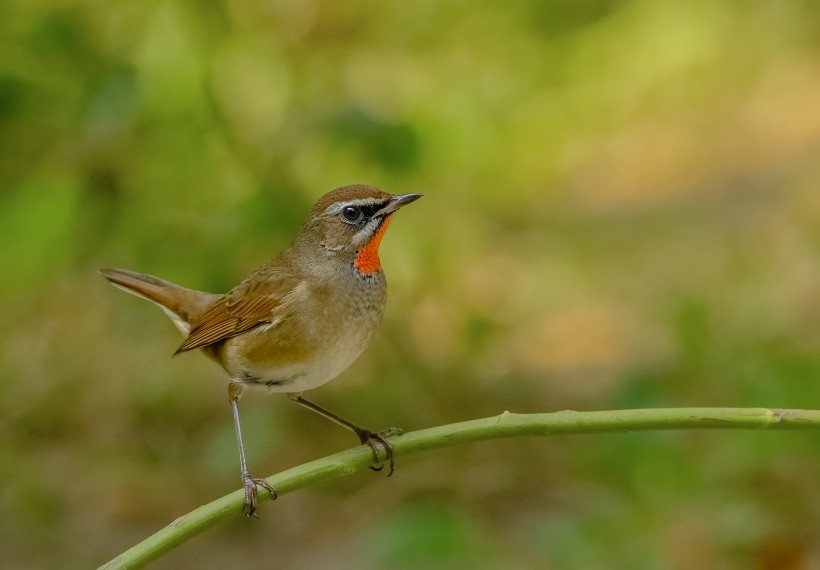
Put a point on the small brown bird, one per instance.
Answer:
(298, 321)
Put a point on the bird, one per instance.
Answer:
(298, 321)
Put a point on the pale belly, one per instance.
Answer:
(303, 371)
(296, 354)
(299, 377)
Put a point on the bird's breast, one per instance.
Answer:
(319, 337)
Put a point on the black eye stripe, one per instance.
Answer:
(371, 209)
(367, 210)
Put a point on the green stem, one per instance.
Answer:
(504, 425)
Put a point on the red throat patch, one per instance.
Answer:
(367, 261)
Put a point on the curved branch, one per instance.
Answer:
(505, 425)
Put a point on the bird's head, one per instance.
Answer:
(350, 221)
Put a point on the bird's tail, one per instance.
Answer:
(184, 306)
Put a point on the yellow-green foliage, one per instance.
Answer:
(622, 203)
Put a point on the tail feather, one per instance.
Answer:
(182, 305)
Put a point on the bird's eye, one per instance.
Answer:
(352, 213)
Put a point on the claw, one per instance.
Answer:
(366, 437)
(250, 493)
(372, 440)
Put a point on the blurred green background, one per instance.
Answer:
(622, 209)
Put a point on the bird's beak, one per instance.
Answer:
(397, 202)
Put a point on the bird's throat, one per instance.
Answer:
(367, 260)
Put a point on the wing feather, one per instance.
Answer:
(252, 303)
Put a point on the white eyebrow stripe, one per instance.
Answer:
(336, 207)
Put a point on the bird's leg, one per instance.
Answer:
(366, 437)
(250, 483)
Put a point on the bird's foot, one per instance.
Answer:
(250, 493)
(373, 440)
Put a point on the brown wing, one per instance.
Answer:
(251, 303)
